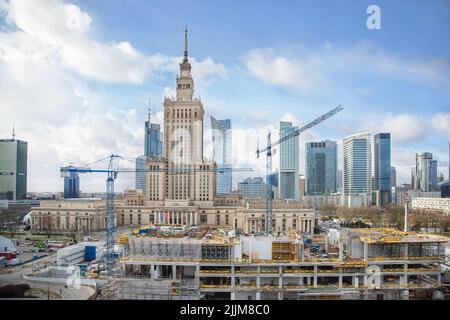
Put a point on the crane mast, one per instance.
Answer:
(268, 151)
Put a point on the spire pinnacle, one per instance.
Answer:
(14, 132)
(185, 44)
(149, 110)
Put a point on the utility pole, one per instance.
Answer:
(406, 227)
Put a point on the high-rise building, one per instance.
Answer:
(252, 188)
(449, 161)
(357, 169)
(393, 177)
(425, 174)
(289, 164)
(152, 139)
(222, 156)
(433, 172)
(339, 180)
(321, 167)
(141, 174)
(13, 169)
(71, 185)
(188, 176)
(382, 168)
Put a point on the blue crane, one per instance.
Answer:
(268, 151)
(112, 172)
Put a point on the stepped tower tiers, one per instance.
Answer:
(183, 139)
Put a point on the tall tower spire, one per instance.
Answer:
(149, 110)
(14, 132)
(185, 45)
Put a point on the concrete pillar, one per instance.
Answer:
(280, 295)
(308, 281)
(197, 270)
(300, 281)
(174, 271)
(366, 251)
(258, 281)
(233, 276)
(233, 295)
(355, 281)
(341, 250)
(340, 281)
(258, 295)
(191, 218)
(315, 281)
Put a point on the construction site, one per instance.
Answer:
(204, 263)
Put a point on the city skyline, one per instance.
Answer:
(88, 109)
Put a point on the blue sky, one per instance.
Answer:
(257, 62)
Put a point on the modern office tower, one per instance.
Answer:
(289, 164)
(413, 177)
(425, 175)
(433, 175)
(357, 169)
(339, 180)
(71, 185)
(382, 168)
(252, 188)
(393, 177)
(13, 169)
(222, 156)
(152, 139)
(141, 174)
(321, 167)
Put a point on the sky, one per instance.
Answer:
(76, 76)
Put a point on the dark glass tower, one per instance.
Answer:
(13, 169)
(382, 167)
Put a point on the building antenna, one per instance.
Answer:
(14, 132)
(149, 110)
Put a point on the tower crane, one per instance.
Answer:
(112, 172)
(268, 151)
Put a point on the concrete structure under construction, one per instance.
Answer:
(216, 263)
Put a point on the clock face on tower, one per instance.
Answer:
(184, 73)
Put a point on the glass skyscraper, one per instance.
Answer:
(13, 169)
(252, 188)
(141, 174)
(357, 169)
(222, 154)
(72, 185)
(425, 175)
(289, 164)
(153, 142)
(321, 168)
(382, 168)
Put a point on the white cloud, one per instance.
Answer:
(314, 70)
(279, 70)
(404, 128)
(441, 122)
(43, 47)
(60, 32)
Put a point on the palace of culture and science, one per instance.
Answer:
(181, 185)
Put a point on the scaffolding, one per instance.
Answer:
(216, 251)
(174, 248)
